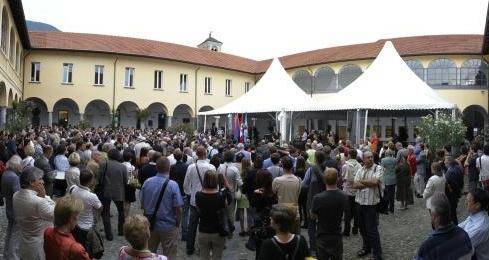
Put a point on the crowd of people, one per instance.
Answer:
(58, 185)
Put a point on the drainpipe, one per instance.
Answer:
(195, 99)
(113, 90)
(23, 73)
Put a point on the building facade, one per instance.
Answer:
(71, 77)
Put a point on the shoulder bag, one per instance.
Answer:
(383, 205)
(152, 217)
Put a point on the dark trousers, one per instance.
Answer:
(311, 231)
(453, 200)
(329, 247)
(106, 217)
(80, 236)
(390, 193)
(351, 214)
(185, 209)
(302, 205)
(368, 220)
(193, 223)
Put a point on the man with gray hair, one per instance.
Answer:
(447, 241)
(33, 211)
(10, 185)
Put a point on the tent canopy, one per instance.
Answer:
(274, 92)
(387, 84)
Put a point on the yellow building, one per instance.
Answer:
(75, 76)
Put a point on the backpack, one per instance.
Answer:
(95, 244)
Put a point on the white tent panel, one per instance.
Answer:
(276, 91)
(387, 84)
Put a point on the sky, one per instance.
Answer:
(262, 29)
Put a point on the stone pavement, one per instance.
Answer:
(401, 234)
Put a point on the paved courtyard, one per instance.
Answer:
(401, 235)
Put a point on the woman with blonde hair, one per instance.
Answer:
(136, 232)
(73, 173)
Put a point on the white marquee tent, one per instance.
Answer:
(274, 92)
(387, 84)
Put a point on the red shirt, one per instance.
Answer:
(59, 246)
(412, 164)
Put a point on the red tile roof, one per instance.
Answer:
(407, 46)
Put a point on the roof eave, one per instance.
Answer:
(19, 19)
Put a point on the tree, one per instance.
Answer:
(142, 115)
(18, 117)
(441, 131)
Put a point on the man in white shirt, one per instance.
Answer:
(191, 185)
(368, 182)
(33, 211)
(483, 165)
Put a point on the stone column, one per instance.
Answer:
(50, 119)
(3, 116)
(217, 121)
(82, 117)
(168, 121)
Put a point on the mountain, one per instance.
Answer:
(38, 26)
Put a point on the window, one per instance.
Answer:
(247, 87)
(99, 75)
(17, 57)
(208, 85)
(325, 80)
(158, 79)
(129, 77)
(442, 72)
(228, 87)
(416, 67)
(183, 82)
(35, 71)
(304, 80)
(348, 74)
(5, 26)
(474, 73)
(67, 73)
(12, 46)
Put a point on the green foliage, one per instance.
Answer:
(84, 124)
(437, 133)
(143, 114)
(18, 116)
(187, 128)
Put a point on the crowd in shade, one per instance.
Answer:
(291, 201)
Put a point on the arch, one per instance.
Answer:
(158, 114)
(12, 46)
(66, 112)
(97, 113)
(10, 98)
(475, 118)
(208, 122)
(182, 114)
(127, 114)
(39, 113)
(348, 74)
(442, 72)
(16, 98)
(3, 94)
(304, 80)
(5, 26)
(324, 80)
(474, 73)
(417, 67)
(17, 57)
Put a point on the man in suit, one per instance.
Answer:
(114, 180)
(43, 163)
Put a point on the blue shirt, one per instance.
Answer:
(165, 217)
(267, 163)
(477, 226)
(450, 242)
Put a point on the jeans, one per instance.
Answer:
(12, 240)
(390, 193)
(351, 214)
(311, 231)
(368, 219)
(193, 223)
(106, 217)
(185, 211)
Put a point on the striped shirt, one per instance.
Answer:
(368, 195)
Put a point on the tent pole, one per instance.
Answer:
(290, 128)
(347, 131)
(436, 114)
(205, 122)
(365, 129)
(357, 128)
(454, 115)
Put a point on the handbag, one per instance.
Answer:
(152, 217)
(223, 219)
(95, 244)
(383, 205)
